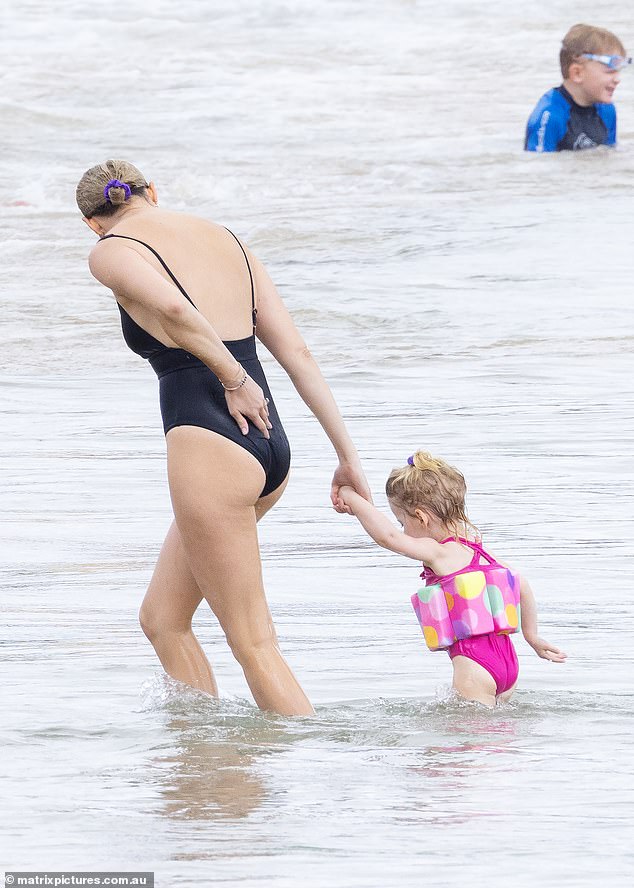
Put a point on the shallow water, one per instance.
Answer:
(460, 296)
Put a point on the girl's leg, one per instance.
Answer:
(215, 485)
(473, 682)
(169, 606)
(505, 696)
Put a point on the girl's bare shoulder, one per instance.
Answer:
(452, 556)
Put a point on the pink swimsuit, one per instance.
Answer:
(471, 613)
(496, 653)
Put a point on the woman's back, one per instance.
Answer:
(227, 454)
(206, 260)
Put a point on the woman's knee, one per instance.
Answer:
(149, 623)
(252, 650)
(156, 623)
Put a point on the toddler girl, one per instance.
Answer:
(470, 603)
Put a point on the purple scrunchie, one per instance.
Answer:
(410, 460)
(115, 183)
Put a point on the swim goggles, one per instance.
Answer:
(614, 62)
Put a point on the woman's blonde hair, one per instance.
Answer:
(587, 38)
(433, 485)
(90, 193)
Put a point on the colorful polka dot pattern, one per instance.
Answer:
(471, 602)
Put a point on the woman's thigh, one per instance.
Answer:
(173, 595)
(215, 486)
(265, 503)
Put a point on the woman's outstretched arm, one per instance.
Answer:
(277, 331)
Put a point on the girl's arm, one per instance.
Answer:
(135, 281)
(528, 609)
(278, 333)
(380, 528)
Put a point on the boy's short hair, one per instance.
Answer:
(586, 38)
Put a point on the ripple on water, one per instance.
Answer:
(380, 722)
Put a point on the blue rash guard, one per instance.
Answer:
(558, 123)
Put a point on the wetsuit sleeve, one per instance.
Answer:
(607, 113)
(546, 126)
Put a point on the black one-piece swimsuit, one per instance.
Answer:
(191, 394)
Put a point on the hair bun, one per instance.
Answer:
(423, 460)
(429, 483)
(104, 188)
(117, 192)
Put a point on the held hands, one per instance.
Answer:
(546, 651)
(248, 403)
(345, 500)
(347, 483)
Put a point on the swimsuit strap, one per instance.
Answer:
(480, 552)
(254, 311)
(477, 549)
(162, 261)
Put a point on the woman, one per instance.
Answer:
(189, 294)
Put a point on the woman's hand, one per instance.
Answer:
(546, 651)
(351, 475)
(248, 403)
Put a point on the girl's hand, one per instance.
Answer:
(351, 475)
(248, 403)
(345, 498)
(547, 651)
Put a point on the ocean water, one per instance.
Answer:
(459, 295)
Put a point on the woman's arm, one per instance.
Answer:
(380, 528)
(281, 337)
(528, 610)
(133, 280)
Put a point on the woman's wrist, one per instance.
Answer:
(236, 381)
(348, 457)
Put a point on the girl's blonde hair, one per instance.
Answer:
(90, 196)
(431, 484)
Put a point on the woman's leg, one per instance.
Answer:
(166, 617)
(169, 605)
(215, 486)
(473, 682)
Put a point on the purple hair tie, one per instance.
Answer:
(115, 183)
(410, 460)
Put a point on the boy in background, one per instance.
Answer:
(579, 114)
